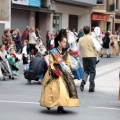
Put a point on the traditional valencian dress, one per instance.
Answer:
(60, 91)
(119, 88)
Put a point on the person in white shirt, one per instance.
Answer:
(25, 55)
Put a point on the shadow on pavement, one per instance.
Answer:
(54, 112)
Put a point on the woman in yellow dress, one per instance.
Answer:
(58, 88)
(115, 45)
(119, 88)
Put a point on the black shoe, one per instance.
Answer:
(48, 108)
(61, 109)
(10, 77)
(28, 82)
(3, 79)
(97, 61)
(101, 55)
(82, 86)
(13, 78)
(91, 90)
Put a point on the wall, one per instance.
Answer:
(87, 1)
(84, 20)
(44, 23)
(82, 13)
(100, 8)
(4, 10)
(19, 19)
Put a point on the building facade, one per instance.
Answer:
(23, 15)
(103, 15)
(117, 16)
(5, 16)
(72, 14)
(52, 15)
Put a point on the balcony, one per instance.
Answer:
(84, 3)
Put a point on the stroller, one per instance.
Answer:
(4, 69)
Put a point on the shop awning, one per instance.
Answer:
(99, 17)
(36, 9)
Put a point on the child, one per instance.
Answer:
(10, 46)
(52, 41)
(38, 43)
(44, 53)
(25, 52)
(13, 61)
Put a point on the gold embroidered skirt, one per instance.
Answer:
(56, 94)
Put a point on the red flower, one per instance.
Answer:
(112, 43)
(14, 56)
(23, 54)
(75, 53)
(32, 51)
(51, 46)
(56, 72)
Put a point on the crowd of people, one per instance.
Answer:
(58, 62)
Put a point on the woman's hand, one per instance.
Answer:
(72, 76)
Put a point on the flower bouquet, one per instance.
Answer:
(112, 43)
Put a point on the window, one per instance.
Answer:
(56, 22)
(100, 1)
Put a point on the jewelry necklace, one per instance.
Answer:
(59, 50)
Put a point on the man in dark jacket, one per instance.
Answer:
(39, 65)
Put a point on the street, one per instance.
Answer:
(19, 101)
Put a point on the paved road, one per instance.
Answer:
(19, 101)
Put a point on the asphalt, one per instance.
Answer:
(19, 101)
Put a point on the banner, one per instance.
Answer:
(33, 3)
(100, 17)
(20, 2)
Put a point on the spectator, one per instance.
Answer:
(39, 63)
(25, 52)
(106, 42)
(38, 43)
(17, 40)
(80, 34)
(25, 35)
(48, 38)
(32, 40)
(38, 34)
(6, 39)
(75, 33)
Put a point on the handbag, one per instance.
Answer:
(31, 74)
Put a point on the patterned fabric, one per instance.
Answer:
(68, 81)
(13, 65)
(119, 88)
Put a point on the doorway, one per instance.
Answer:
(73, 22)
(108, 26)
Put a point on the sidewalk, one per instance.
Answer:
(107, 78)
